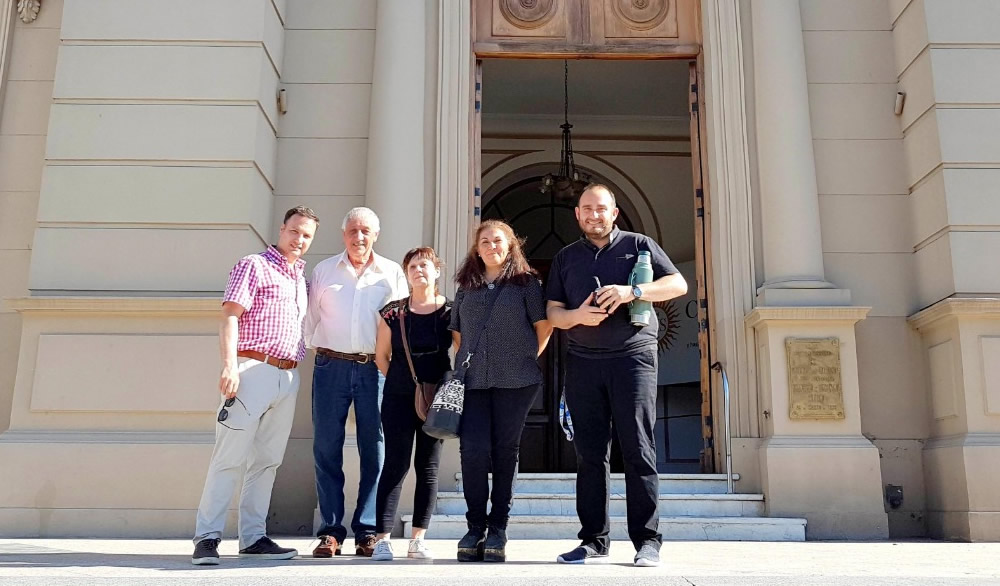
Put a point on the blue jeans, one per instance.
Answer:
(336, 383)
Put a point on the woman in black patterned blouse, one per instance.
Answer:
(502, 380)
(428, 316)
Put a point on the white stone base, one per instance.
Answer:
(834, 482)
(20, 523)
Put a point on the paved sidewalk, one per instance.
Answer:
(57, 562)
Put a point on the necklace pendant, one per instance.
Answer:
(490, 286)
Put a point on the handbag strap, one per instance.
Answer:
(486, 320)
(404, 304)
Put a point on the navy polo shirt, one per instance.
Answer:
(571, 280)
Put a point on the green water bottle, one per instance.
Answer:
(640, 311)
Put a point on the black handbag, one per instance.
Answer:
(444, 418)
(424, 393)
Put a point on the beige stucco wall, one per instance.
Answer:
(865, 218)
(945, 55)
(90, 205)
(322, 161)
(23, 127)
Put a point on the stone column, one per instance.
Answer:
(396, 156)
(793, 250)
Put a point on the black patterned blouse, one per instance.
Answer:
(507, 354)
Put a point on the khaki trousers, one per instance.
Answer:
(254, 434)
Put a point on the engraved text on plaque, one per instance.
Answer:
(815, 390)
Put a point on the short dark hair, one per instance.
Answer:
(421, 253)
(591, 186)
(301, 211)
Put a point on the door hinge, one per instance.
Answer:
(700, 212)
(703, 325)
(699, 193)
(703, 303)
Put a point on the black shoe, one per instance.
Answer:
(494, 547)
(585, 554)
(265, 549)
(470, 547)
(206, 553)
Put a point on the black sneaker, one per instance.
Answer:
(585, 554)
(648, 556)
(265, 549)
(470, 547)
(495, 546)
(206, 553)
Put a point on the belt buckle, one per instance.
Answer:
(366, 360)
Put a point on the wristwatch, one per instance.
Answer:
(636, 291)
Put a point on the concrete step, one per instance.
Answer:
(672, 528)
(565, 483)
(671, 505)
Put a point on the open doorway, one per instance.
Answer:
(631, 131)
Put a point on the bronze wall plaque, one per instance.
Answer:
(815, 388)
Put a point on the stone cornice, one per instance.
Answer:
(173, 306)
(760, 315)
(987, 307)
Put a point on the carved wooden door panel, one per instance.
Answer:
(586, 28)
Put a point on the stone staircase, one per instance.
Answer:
(693, 507)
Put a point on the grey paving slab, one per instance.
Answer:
(54, 562)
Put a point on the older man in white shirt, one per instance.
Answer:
(347, 291)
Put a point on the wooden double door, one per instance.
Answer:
(596, 29)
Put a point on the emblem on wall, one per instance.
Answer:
(668, 320)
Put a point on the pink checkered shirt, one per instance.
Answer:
(273, 296)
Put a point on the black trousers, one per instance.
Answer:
(400, 425)
(619, 394)
(490, 440)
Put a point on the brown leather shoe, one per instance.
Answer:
(327, 548)
(365, 546)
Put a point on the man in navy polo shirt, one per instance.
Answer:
(610, 372)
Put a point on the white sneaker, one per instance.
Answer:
(418, 550)
(383, 551)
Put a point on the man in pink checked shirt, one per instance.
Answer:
(260, 341)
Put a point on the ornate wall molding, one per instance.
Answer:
(27, 10)
(527, 14)
(640, 18)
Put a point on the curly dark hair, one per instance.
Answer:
(472, 272)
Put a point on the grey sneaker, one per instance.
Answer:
(585, 554)
(648, 556)
(265, 549)
(206, 553)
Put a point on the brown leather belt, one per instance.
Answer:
(276, 362)
(360, 357)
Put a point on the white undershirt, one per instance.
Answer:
(343, 308)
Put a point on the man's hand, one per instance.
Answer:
(588, 315)
(229, 381)
(610, 297)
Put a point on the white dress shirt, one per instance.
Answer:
(343, 308)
